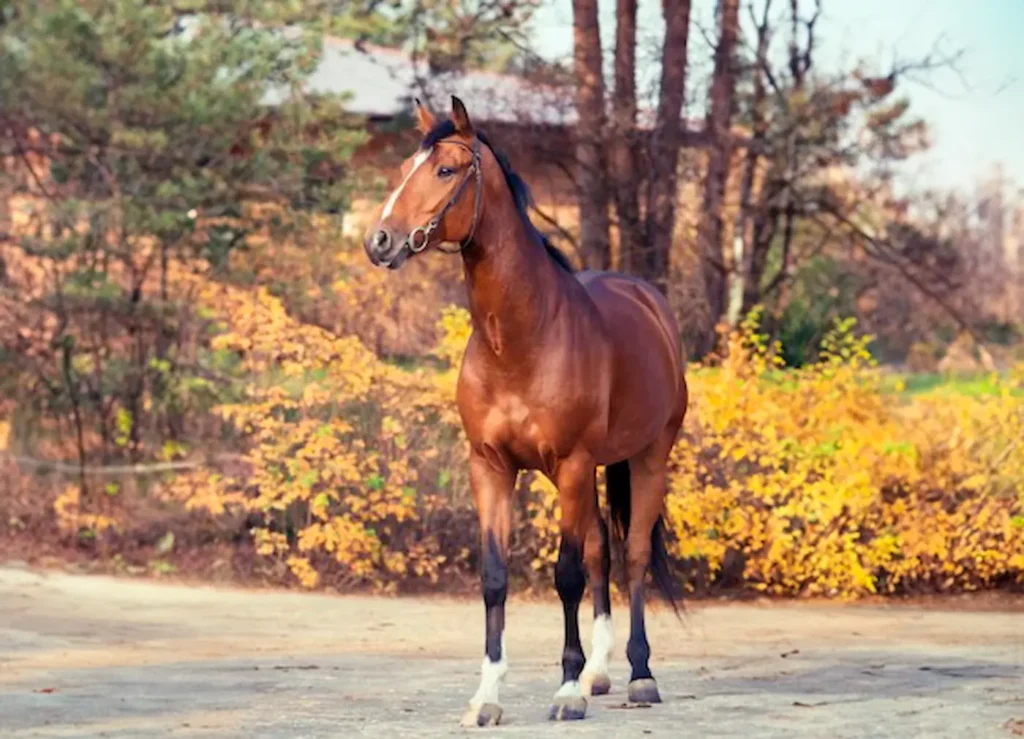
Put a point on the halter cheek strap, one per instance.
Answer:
(419, 237)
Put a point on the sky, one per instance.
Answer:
(976, 114)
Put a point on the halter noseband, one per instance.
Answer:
(474, 170)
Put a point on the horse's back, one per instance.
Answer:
(627, 302)
(646, 354)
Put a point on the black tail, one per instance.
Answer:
(619, 505)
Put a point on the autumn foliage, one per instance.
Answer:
(351, 471)
(336, 443)
(181, 300)
(800, 482)
(816, 482)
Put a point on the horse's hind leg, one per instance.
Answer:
(647, 483)
(594, 679)
(575, 482)
(647, 496)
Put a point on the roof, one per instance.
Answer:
(382, 83)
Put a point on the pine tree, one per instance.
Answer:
(162, 123)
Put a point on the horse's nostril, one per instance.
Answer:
(381, 239)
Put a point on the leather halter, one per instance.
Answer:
(474, 170)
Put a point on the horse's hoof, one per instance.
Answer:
(644, 690)
(591, 684)
(488, 714)
(568, 708)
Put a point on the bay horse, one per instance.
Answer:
(563, 372)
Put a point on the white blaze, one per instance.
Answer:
(416, 162)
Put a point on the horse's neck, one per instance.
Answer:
(514, 287)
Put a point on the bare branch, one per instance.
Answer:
(883, 251)
(550, 220)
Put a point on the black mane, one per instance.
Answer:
(519, 189)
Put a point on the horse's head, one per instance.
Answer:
(438, 198)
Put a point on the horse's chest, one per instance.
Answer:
(513, 417)
(527, 432)
(531, 418)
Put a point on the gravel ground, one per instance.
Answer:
(98, 656)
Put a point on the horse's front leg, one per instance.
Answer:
(492, 485)
(575, 481)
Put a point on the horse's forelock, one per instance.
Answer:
(440, 131)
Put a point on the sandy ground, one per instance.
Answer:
(97, 656)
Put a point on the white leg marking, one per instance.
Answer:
(570, 689)
(492, 674)
(416, 162)
(602, 643)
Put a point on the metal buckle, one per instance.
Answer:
(416, 247)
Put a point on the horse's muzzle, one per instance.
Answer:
(385, 248)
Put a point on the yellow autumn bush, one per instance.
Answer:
(336, 444)
(816, 482)
(804, 482)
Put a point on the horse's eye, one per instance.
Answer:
(444, 172)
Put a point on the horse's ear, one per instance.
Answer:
(424, 118)
(460, 117)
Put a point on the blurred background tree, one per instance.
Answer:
(144, 129)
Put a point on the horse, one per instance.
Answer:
(564, 371)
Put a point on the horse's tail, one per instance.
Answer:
(620, 505)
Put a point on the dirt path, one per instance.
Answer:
(96, 656)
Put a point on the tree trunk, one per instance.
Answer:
(719, 124)
(744, 286)
(76, 408)
(778, 195)
(799, 63)
(652, 262)
(591, 179)
(623, 165)
(766, 225)
(787, 245)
